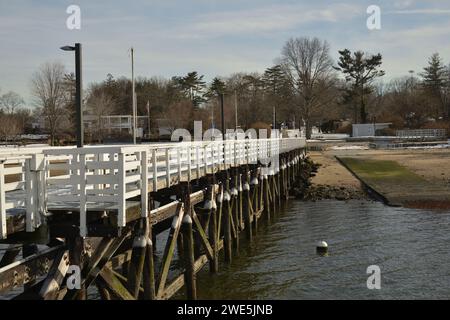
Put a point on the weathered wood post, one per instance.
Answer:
(246, 205)
(210, 204)
(227, 220)
(76, 252)
(136, 266)
(149, 263)
(278, 186)
(189, 260)
(273, 192)
(266, 199)
(235, 212)
(254, 187)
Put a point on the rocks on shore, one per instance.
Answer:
(304, 190)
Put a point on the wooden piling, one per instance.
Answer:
(149, 265)
(246, 206)
(136, 267)
(76, 251)
(189, 260)
(226, 217)
(235, 212)
(265, 184)
(212, 227)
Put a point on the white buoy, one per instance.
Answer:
(322, 247)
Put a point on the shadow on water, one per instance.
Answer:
(410, 247)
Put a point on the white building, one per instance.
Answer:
(368, 129)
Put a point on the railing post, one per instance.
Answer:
(155, 170)
(189, 160)
(168, 168)
(179, 155)
(3, 228)
(121, 217)
(144, 184)
(83, 205)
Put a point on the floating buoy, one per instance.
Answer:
(322, 247)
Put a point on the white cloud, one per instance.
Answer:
(421, 11)
(267, 19)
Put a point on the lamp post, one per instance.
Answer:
(79, 91)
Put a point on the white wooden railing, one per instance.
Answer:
(422, 133)
(105, 177)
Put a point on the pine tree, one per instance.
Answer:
(360, 71)
(434, 81)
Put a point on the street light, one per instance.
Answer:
(79, 92)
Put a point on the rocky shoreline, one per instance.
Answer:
(304, 190)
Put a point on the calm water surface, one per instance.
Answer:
(410, 247)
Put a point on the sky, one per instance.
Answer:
(213, 37)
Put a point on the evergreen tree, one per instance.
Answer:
(360, 71)
(434, 81)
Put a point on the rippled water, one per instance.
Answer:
(410, 247)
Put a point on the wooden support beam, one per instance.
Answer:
(55, 277)
(203, 239)
(21, 272)
(29, 250)
(169, 249)
(110, 281)
(10, 255)
(212, 228)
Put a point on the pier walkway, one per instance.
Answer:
(100, 208)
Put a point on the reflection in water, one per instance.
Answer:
(410, 246)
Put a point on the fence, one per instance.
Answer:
(105, 177)
(422, 133)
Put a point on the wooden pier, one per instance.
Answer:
(76, 218)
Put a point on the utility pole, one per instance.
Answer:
(235, 109)
(133, 96)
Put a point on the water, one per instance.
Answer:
(410, 247)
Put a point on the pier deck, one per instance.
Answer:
(101, 207)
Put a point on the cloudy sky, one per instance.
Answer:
(214, 37)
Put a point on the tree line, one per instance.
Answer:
(304, 87)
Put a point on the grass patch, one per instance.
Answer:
(381, 171)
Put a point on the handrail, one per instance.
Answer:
(111, 175)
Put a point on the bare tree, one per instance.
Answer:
(10, 101)
(49, 93)
(99, 104)
(10, 127)
(308, 65)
